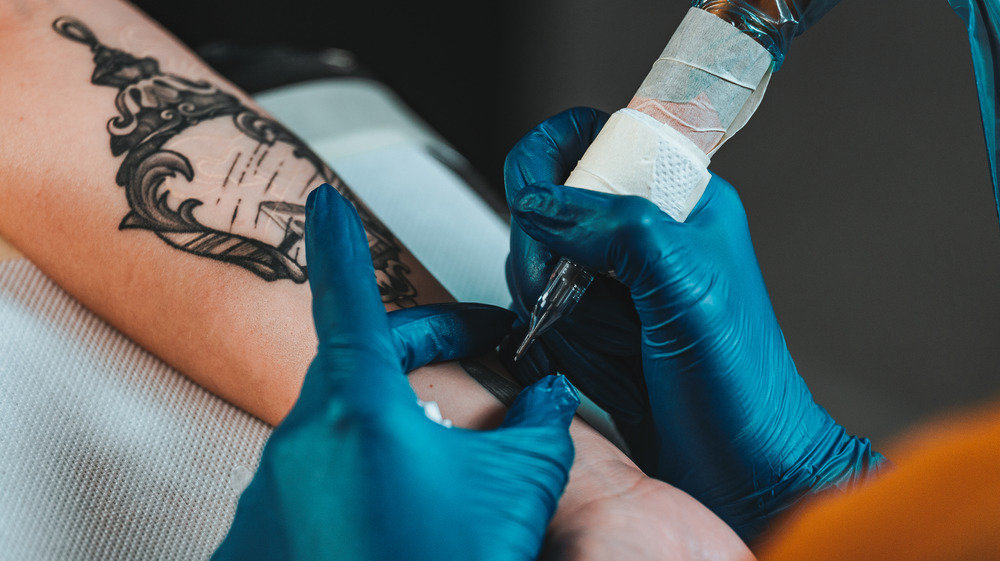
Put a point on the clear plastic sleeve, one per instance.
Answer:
(773, 23)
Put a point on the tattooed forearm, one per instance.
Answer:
(213, 177)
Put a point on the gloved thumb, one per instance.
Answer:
(549, 402)
(535, 434)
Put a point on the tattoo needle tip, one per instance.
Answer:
(528, 339)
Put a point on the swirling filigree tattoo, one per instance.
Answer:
(212, 177)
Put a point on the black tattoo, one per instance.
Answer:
(246, 208)
(503, 389)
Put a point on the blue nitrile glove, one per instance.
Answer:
(735, 424)
(357, 472)
(602, 332)
(982, 22)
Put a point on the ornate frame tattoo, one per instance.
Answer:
(247, 206)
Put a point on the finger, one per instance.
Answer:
(535, 434)
(348, 312)
(550, 151)
(550, 402)
(622, 395)
(546, 154)
(535, 442)
(438, 332)
(520, 470)
(600, 231)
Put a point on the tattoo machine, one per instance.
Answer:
(702, 89)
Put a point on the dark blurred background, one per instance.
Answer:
(864, 171)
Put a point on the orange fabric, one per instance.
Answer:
(941, 501)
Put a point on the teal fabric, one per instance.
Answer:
(357, 472)
(982, 18)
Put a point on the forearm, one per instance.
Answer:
(172, 209)
(167, 203)
(247, 338)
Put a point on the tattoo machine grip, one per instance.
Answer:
(702, 89)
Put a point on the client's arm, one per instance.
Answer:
(159, 196)
(163, 199)
(357, 471)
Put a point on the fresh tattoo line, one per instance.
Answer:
(503, 389)
(212, 177)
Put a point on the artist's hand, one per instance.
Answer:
(358, 472)
(735, 425)
(602, 333)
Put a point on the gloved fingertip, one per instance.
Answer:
(564, 391)
(318, 199)
(340, 271)
(311, 198)
(551, 212)
(551, 401)
(332, 225)
(541, 211)
(537, 198)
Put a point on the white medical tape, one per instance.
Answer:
(634, 154)
(710, 78)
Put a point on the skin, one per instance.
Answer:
(7, 251)
(247, 339)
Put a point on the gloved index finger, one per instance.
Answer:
(348, 312)
(601, 231)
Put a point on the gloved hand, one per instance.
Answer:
(735, 424)
(602, 333)
(356, 471)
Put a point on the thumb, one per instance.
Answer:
(549, 402)
(535, 437)
(520, 470)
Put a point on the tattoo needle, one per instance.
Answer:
(566, 285)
